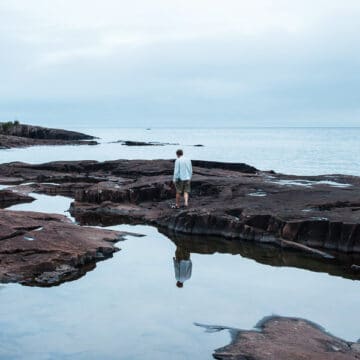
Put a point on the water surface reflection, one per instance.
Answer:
(130, 308)
(268, 254)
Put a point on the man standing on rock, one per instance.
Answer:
(182, 178)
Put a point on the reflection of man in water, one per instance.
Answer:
(182, 265)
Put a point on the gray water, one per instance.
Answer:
(303, 151)
(129, 306)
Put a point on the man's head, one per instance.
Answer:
(179, 153)
(179, 284)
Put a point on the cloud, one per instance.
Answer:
(246, 61)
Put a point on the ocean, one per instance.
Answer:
(300, 151)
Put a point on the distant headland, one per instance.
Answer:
(13, 134)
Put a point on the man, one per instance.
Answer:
(182, 266)
(182, 178)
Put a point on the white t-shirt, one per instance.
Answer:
(183, 270)
(182, 169)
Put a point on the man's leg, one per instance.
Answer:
(186, 198)
(178, 197)
(186, 192)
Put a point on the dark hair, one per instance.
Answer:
(179, 152)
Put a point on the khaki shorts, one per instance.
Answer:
(182, 186)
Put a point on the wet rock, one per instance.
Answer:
(147, 143)
(8, 198)
(280, 338)
(142, 143)
(47, 249)
(303, 213)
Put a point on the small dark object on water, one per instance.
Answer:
(142, 143)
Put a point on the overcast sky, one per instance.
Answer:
(178, 63)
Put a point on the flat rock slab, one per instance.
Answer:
(8, 198)
(232, 200)
(148, 143)
(279, 338)
(48, 249)
(142, 143)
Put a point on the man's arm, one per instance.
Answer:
(176, 170)
(191, 171)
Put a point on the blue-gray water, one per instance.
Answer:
(288, 150)
(129, 306)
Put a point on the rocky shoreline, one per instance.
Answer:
(15, 135)
(230, 200)
(40, 249)
(316, 216)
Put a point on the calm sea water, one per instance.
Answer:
(129, 306)
(288, 150)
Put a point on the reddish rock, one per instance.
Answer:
(228, 199)
(48, 249)
(279, 338)
(8, 198)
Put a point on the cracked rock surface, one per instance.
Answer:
(231, 200)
